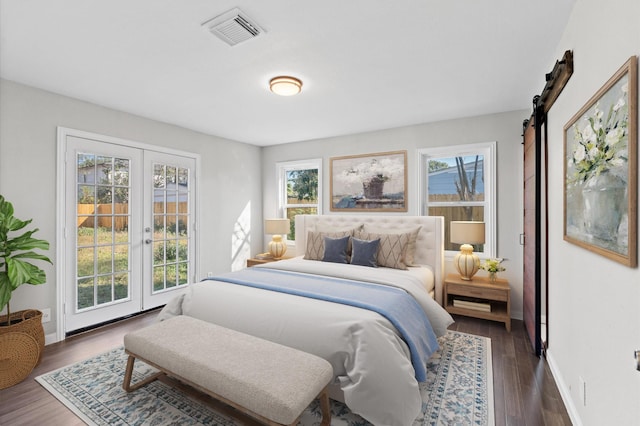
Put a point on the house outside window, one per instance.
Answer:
(300, 190)
(458, 182)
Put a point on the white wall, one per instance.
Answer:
(230, 193)
(594, 303)
(505, 128)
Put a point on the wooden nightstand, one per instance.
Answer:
(253, 261)
(479, 290)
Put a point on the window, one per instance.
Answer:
(458, 182)
(299, 190)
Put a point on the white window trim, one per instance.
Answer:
(282, 168)
(488, 150)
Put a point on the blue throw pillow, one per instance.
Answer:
(365, 252)
(335, 249)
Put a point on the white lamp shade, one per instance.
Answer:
(467, 232)
(276, 226)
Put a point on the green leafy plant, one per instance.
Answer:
(15, 269)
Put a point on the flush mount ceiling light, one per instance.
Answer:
(285, 85)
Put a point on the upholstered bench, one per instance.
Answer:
(270, 382)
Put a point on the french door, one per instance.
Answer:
(129, 228)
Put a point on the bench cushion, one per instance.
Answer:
(272, 380)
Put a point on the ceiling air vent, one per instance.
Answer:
(233, 27)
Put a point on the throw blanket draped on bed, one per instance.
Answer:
(395, 304)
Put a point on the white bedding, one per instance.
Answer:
(371, 362)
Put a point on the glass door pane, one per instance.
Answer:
(103, 258)
(170, 236)
(103, 240)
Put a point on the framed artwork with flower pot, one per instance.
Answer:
(600, 190)
(370, 182)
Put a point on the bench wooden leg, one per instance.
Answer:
(127, 386)
(325, 407)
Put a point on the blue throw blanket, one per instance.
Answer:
(400, 308)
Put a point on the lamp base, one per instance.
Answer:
(466, 262)
(277, 247)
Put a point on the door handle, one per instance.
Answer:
(148, 241)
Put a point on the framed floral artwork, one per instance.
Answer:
(370, 182)
(600, 190)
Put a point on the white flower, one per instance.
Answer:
(593, 152)
(588, 134)
(614, 136)
(599, 112)
(616, 162)
(579, 153)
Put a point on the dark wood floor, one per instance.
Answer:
(525, 392)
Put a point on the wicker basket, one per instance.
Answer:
(30, 322)
(19, 353)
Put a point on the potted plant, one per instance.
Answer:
(20, 331)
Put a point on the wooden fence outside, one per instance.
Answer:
(89, 213)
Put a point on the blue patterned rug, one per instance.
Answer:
(458, 391)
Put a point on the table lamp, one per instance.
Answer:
(276, 227)
(467, 233)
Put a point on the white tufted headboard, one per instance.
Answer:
(429, 244)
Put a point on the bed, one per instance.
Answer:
(377, 363)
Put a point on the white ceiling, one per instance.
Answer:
(366, 64)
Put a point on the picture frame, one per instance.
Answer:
(600, 170)
(369, 182)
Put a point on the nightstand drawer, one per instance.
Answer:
(478, 292)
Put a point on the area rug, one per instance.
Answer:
(458, 391)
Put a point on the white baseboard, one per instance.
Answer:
(565, 393)
(50, 338)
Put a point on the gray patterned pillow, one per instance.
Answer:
(315, 243)
(413, 232)
(392, 249)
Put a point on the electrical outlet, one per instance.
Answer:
(46, 315)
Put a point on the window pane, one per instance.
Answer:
(121, 172)
(85, 262)
(105, 289)
(104, 170)
(159, 177)
(172, 279)
(158, 252)
(183, 271)
(121, 282)
(299, 191)
(121, 260)
(183, 180)
(291, 214)
(104, 260)
(86, 232)
(86, 198)
(302, 186)
(456, 179)
(86, 168)
(85, 293)
(158, 278)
